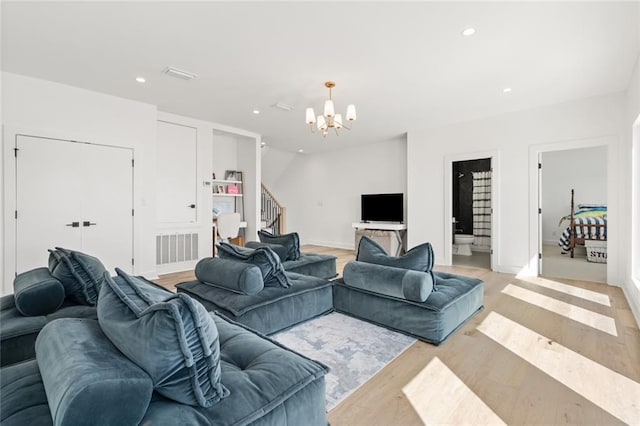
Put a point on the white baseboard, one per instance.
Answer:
(332, 244)
(150, 275)
(511, 269)
(170, 268)
(631, 290)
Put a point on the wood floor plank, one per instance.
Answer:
(511, 387)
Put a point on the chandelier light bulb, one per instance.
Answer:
(351, 112)
(311, 116)
(329, 111)
(338, 121)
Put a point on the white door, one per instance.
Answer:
(539, 213)
(107, 217)
(62, 189)
(47, 199)
(176, 182)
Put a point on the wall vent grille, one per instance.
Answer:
(176, 248)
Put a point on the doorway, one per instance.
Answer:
(471, 207)
(75, 195)
(583, 173)
(471, 210)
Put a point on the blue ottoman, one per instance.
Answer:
(454, 300)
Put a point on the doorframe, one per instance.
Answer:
(535, 228)
(494, 155)
(8, 188)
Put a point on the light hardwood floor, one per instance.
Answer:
(542, 351)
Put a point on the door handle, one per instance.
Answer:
(73, 224)
(87, 223)
(192, 206)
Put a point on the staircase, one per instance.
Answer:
(273, 214)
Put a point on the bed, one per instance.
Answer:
(588, 222)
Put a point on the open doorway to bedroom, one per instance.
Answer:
(573, 213)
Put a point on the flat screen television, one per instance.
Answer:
(382, 207)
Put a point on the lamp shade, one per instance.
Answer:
(311, 116)
(328, 108)
(351, 112)
(322, 124)
(337, 120)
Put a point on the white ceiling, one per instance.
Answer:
(404, 65)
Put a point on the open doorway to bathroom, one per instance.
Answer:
(471, 197)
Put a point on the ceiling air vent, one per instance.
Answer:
(175, 72)
(282, 106)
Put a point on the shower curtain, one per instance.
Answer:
(482, 210)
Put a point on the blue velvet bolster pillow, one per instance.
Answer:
(273, 273)
(37, 292)
(235, 276)
(281, 251)
(86, 378)
(290, 241)
(170, 336)
(80, 274)
(396, 282)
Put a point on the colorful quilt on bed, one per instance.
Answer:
(584, 229)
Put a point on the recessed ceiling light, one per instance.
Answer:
(256, 111)
(140, 79)
(469, 32)
(301, 150)
(263, 143)
(506, 90)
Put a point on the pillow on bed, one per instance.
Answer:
(592, 206)
(290, 241)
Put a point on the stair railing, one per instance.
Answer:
(273, 213)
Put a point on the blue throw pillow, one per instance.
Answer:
(273, 273)
(281, 251)
(419, 258)
(290, 241)
(80, 274)
(170, 336)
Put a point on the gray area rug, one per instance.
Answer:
(354, 350)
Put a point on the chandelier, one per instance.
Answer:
(330, 120)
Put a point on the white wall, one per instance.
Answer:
(2, 276)
(225, 154)
(322, 191)
(44, 108)
(631, 192)
(585, 171)
(218, 149)
(511, 135)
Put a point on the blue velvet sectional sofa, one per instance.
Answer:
(158, 358)
(405, 294)
(401, 293)
(237, 290)
(287, 247)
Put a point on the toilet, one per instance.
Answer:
(462, 244)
